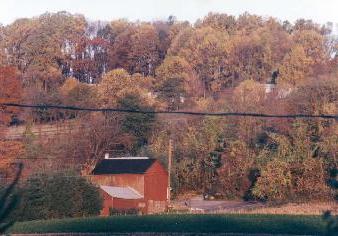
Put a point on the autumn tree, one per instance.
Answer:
(111, 31)
(276, 40)
(163, 30)
(296, 66)
(193, 139)
(175, 81)
(143, 54)
(119, 54)
(323, 99)
(10, 92)
(275, 182)
(2, 46)
(177, 28)
(234, 174)
(10, 151)
(248, 23)
(39, 46)
(38, 96)
(250, 58)
(219, 64)
(16, 42)
(91, 59)
(220, 22)
(75, 93)
(206, 50)
(118, 83)
(302, 24)
(248, 96)
(69, 84)
(291, 168)
(313, 44)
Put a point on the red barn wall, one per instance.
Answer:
(107, 203)
(119, 203)
(155, 188)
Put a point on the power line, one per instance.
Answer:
(36, 175)
(51, 177)
(217, 114)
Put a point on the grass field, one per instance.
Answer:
(294, 209)
(269, 224)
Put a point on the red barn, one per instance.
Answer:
(132, 183)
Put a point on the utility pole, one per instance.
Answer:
(169, 168)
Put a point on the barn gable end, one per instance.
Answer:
(132, 182)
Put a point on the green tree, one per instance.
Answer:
(210, 165)
(8, 201)
(137, 124)
(291, 168)
(332, 220)
(194, 140)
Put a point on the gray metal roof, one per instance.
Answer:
(121, 192)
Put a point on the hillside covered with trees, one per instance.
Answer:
(221, 63)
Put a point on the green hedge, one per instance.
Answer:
(270, 224)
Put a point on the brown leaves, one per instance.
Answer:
(9, 152)
(118, 83)
(36, 45)
(296, 66)
(10, 92)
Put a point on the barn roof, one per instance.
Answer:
(121, 192)
(129, 165)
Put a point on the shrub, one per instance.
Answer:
(274, 184)
(309, 180)
(8, 201)
(300, 181)
(130, 211)
(46, 196)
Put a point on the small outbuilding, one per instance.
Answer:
(132, 183)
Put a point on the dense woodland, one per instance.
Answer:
(221, 63)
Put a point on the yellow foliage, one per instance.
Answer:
(296, 66)
(249, 94)
(68, 85)
(118, 83)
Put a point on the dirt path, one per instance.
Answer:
(198, 205)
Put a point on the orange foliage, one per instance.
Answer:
(10, 92)
(9, 152)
